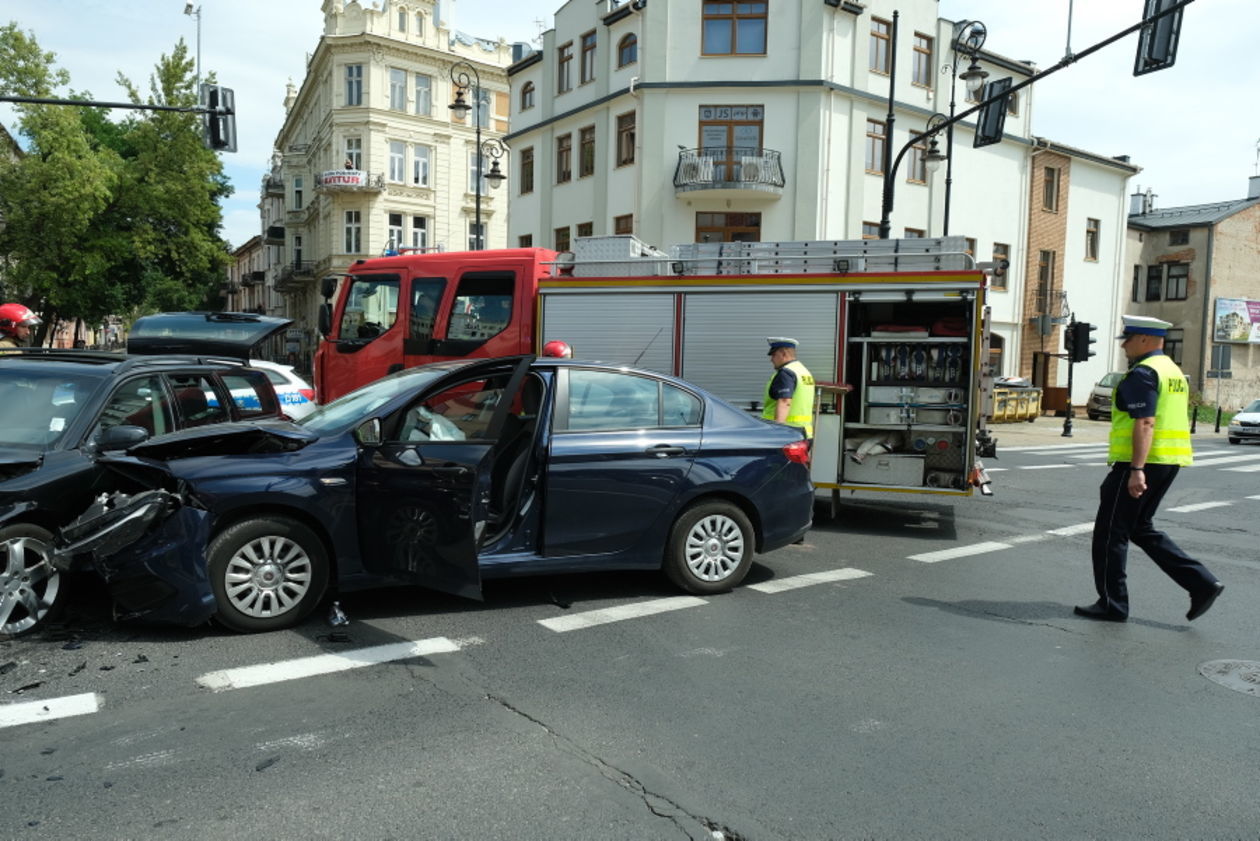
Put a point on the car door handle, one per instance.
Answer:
(453, 469)
(665, 450)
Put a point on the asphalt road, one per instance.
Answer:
(926, 680)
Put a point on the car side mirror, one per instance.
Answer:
(368, 433)
(327, 286)
(325, 318)
(121, 437)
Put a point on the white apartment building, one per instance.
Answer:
(370, 156)
(720, 121)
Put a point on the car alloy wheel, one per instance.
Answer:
(267, 573)
(30, 588)
(710, 548)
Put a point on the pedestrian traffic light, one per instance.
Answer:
(219, 117)
(992, 117)
(1080, 340)
(1157, 44)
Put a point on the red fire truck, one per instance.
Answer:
(902, 321)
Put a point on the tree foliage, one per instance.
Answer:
(103, 216)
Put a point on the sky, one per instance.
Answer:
(1193, 128)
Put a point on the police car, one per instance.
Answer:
(297, 398)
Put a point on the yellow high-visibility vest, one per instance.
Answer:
(1171, 441)
(801, 410)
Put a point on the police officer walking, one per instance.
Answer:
(1150, 442)
(790, 392)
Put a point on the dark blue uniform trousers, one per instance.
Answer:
(1122, 519)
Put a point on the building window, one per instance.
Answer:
(419, 25)
(728, 227)
(1178, 281)
(564, 158)
(297, 192)
(397, 89)
(525, 241)
(354, 232)
(1045, 271)
(354, 84)
(1154, 282)
(730, 138)
(562, 239)
(402, 20)
(1092, 227)
(876, 137)
(1135, 295)
(564, 68)
(1001, 251)
(397, 161)
(476, 236)
(915, 233)
(586, 152)
(477, 160)
(585, 229)
(1173, 344)
(420, 164)
(870, 230)
(628, 50)
(737, 28)
(1179, 236)
(921, 70)
(354, 153)
(881, 38)
(424, 95)
(917, 173)
(394, 228)
(586, 64)
(625, 139)
(527, 96)
(1050, 189)
(419, 232)
(527, 170)
(623, 224)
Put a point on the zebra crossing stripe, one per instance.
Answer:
(960, 552)
(778, 585)
(1198, 506)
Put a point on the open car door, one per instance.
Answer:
(424, 491)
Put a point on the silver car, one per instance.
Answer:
(1099, 403)
(1245, 426)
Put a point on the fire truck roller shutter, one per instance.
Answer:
(724, 348)
(644, 327)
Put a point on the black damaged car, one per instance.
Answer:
(60, 409)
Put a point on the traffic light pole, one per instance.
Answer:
(1067, 414)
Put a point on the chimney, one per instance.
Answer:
(1253, 187)
(1137, 203)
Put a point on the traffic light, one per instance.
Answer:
(1157, 43)
(1077, 340)
(219, 120)
(992, 117)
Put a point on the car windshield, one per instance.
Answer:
(36, 407)
(348, 411)
(1111, 380)
(1253, 407)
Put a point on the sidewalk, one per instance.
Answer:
(1048, 430)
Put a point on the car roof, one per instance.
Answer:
(108, 363)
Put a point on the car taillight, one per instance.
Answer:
(797, 451)
(308, 393)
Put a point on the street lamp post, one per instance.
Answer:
(969, 37)
(196, 12)
(464, 75)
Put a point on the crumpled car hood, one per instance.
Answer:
(242, 438)
(15, 463)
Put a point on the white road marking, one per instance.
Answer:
(960, 552)
(591, 618)
(1198, 506)
(28, 712)
(1026, 538)
(1050, 448)
(322, 664)
(996, 469)
(1208, 462)
(156, 759)
(1068, 531)
(1044, 466)
(778, 585)
(1254, 497)
(1250, 468)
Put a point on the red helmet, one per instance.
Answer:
(13, 316)
(558, 349)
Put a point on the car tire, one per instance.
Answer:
(710, 548)
(30, 588)
(1092, 415)
(267, 573)
(1233, 440)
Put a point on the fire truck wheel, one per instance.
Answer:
(710, 548)
(267, 573)
(30, 588)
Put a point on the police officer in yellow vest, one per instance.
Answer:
(790, 392)
(1150, 441)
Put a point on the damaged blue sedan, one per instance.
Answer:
(442, 476)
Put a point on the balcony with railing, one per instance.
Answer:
(295, 275)
(352, 180)
(730, 172)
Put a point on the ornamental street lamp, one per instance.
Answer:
(969, 37)
(464, 75)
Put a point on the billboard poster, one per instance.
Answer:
(1237, 320)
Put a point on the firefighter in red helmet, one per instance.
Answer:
(558, 349)
(16, 322)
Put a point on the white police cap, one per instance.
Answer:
(780, 342)
(1144, 325)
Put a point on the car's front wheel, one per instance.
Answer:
(710, 548)
(267, 573)
(1233, 440)
(30, 588)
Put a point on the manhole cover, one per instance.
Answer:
(1238, 675)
